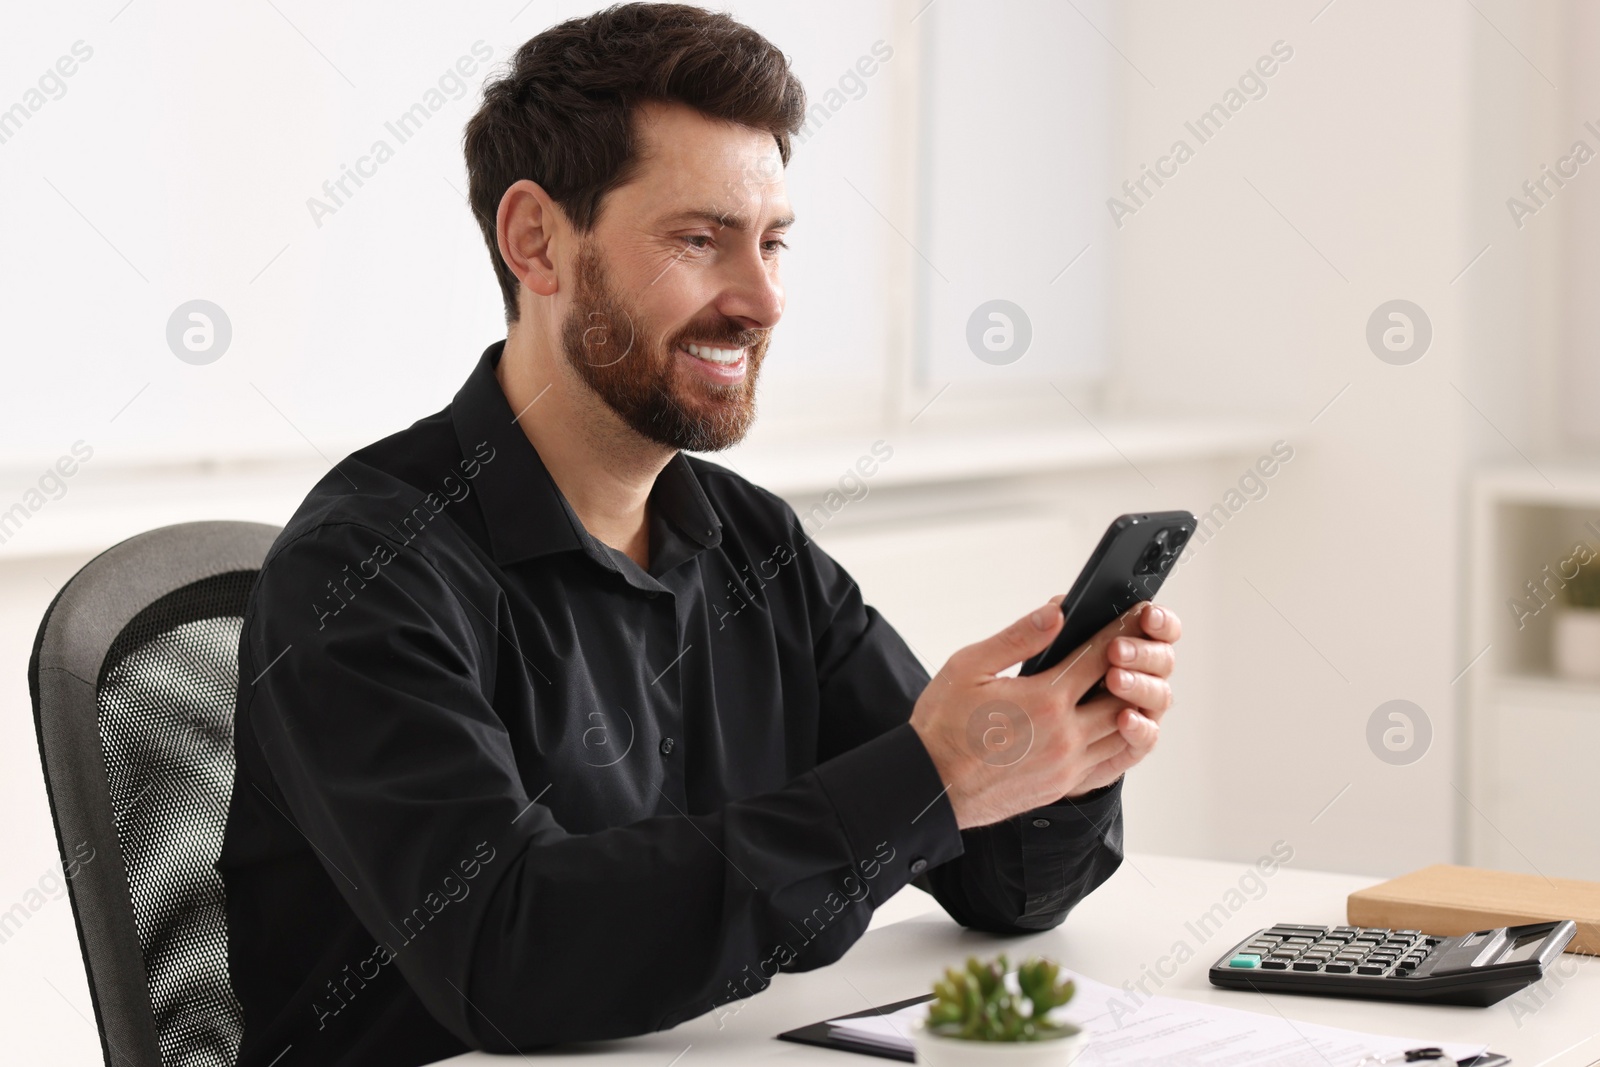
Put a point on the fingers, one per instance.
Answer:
(1124, 727)
(1108, 747)
(1028, 636)
(1097, 719)
(1138, 735)
(1138, 654)
(1140, 667)
(1145, 691)
(1141, 732)
(1113, 756)
(1084, 665)
(1160, 623)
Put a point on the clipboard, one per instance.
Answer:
(820, 1035)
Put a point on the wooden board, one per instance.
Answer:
(1445, 900)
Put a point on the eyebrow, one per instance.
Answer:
(724, 219)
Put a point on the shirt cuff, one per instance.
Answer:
(1093, 794)
(1060, 836)
(895, 811)
(1076, 816)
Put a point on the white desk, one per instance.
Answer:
(1122, 931)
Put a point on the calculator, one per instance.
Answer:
(1479, 968)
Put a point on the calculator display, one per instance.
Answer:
(1526, 947)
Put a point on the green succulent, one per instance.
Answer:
(974, 1004)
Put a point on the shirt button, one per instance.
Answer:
(918, 866)
(666, 746)
(1041, 823)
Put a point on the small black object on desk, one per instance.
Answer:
(1477, 969)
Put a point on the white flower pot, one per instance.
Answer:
(1576, 646)
(935, 1050)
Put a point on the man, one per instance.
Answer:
(510, 770)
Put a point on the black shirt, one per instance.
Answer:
(500, 787)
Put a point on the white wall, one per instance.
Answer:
(1245, 286)
(1376, 167)
(180, 161)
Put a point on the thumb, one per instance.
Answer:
(1026, 637)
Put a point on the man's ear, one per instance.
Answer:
(526, 224)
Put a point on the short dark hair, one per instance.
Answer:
(562, 115)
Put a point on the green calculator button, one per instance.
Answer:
(1245, 959)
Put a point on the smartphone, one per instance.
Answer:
(1129, 565)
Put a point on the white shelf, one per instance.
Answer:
(1530, 734)
(1546, 690)
(1569, 484)
(105, 503)
(797, 464)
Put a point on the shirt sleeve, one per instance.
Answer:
(383, 749)
(1020, 875)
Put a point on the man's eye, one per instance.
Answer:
(774, 244)
(697, 240)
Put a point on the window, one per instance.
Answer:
(233, 157)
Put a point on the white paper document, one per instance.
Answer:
(1125, 1031)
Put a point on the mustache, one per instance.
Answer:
(719, 335)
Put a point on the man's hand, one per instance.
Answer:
(1007, 745)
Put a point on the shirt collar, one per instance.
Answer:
(524, 510)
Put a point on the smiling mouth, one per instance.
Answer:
(722, 357)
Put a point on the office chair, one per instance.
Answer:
(133, 676)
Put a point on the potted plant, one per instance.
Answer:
(975, 1018)
(1577, 626)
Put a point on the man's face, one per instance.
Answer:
(676, 288)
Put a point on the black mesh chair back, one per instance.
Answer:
(133, 678)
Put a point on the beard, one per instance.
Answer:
(635, 371)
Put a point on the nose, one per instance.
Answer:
(752, 294)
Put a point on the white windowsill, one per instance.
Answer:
(105, 504)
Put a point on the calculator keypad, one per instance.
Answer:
(1337, 950)
(1480, 968)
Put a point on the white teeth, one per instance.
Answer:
(724, 356)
